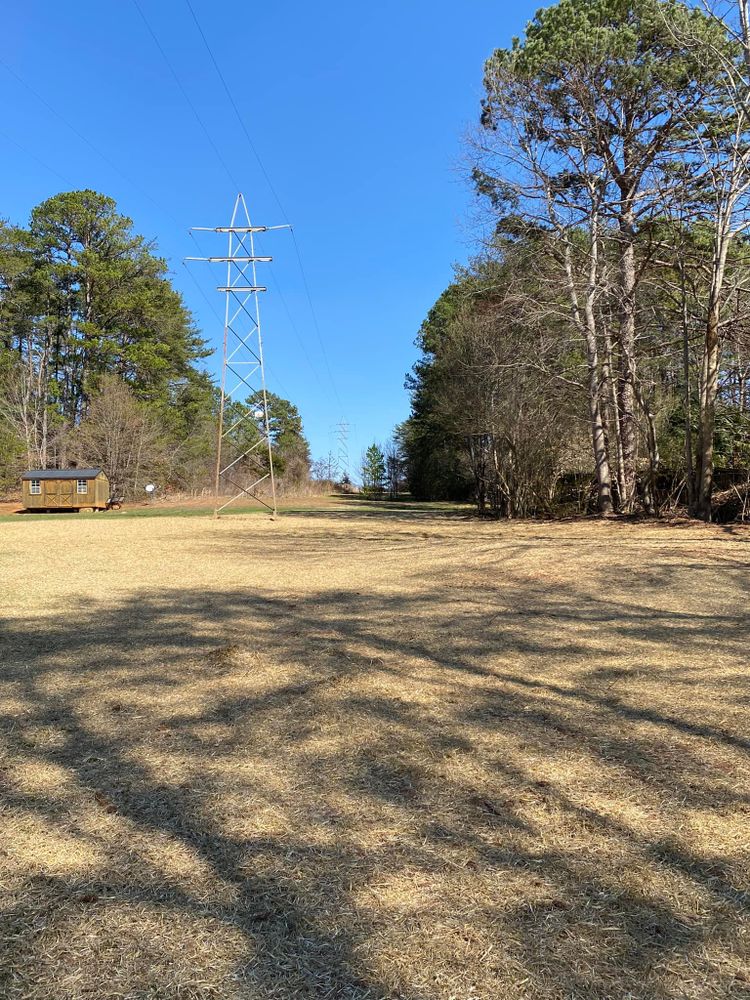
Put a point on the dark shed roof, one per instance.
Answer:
(61, 474)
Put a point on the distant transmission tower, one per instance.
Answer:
(244, 431)
(342, 436)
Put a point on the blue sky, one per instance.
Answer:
(357, 113)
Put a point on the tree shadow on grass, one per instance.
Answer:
(237, 794)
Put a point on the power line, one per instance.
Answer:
(186, 96)
(240, 119)
(229, 174)
(315, 319)
(239, 466)
(159, 205)
(233, 181)
(273, 191)
(342, 438)
(223, 162)
(220, 319)
(96, 149)
(109, 162)
(28, 152)
(53, 111)
(164, 211)
(92, 146)
(293, 325)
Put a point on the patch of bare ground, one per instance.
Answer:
(346, 755)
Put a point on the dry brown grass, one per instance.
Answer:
(357, 756)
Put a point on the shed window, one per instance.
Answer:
(83, 486)
(36, 487)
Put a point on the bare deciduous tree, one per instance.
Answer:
(121, 436)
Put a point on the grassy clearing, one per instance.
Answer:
(10, 512)
(350, 755)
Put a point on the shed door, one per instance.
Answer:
(52, 493)
(60, 493)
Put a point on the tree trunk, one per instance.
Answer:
(689, 470)
(587, 326)
(654, 460)
(707, 420)
(598, 437)
(626, 393)
(709, 384)
(608, 377)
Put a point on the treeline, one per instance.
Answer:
(603, 331)
(100, 360)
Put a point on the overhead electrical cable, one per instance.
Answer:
(228, 172)
(220, 319)
(126, 177)
(236, 110)
(273, 191)
(28, 152)
(314, 315)
(295, 330)
(186, 96)
(106, 159)
(217, 152)
(158, 204)
(110, 163)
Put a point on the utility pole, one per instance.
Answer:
(244, 430)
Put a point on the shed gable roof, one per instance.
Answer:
(61, 474)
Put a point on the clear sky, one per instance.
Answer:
(357, 112)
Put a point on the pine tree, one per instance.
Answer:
(373, 470)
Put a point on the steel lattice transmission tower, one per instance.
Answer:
(244, 454)
(342, 437)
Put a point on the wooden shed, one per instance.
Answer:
(65, 489)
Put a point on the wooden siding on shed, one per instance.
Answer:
(62, 494)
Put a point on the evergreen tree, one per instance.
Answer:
(94, 340)
(373, 470)
(587, 122)
(82, 297)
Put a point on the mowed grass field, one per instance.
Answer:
(374, 753)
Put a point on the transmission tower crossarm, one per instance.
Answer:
(234, 260)
(241, 288)
(235, 229)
